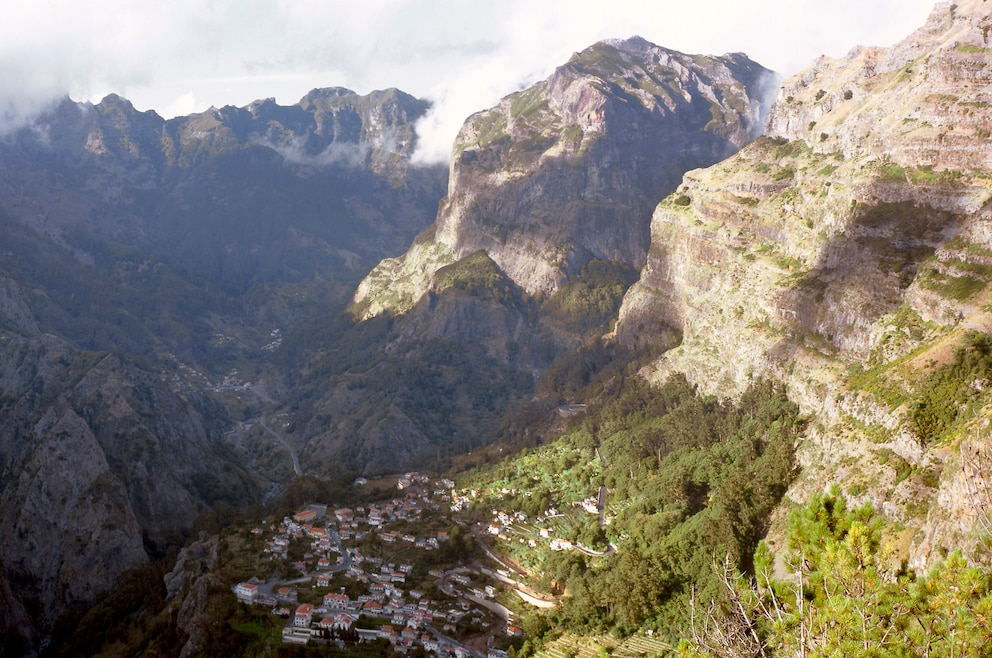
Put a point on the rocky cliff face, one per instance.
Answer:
(854, 235)
(552, 187)
(198, 243)
(101, 463)
(288, 204)
(568, 170)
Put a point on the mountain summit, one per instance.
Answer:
(569, 169)
(847, 253)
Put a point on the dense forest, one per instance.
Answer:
(689, 477)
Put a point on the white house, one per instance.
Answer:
(336, 601)
(304, 615)
(246, 591)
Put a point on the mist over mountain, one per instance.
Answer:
(195, 311)
(143, 261)
(543, 228)
(206, 257)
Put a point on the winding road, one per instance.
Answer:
(285, 444)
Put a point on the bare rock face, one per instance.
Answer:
(853, 233)
(569, 169)
(551, 179)
(100, 463)
(189, 585)
(811, 235)
(917, 103)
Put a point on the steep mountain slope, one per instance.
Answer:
(845, 253)
(102, 464)
(542, 230)
(239, 218)
(143, 259)
(568, 170)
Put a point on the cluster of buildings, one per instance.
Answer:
(407, 623)
(386, 610)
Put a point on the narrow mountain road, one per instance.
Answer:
(601, 507)
(285, 444)
(526, 593)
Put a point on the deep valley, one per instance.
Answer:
(693, 359)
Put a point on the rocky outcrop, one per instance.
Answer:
(100, 463)
(853, 233)
(920, 102)
(552, 179)
(818, 230)
(568, 170)
(189, 586)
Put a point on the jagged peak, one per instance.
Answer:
(325, 93)
(510, 196)
(632, 44)
(261, 102)
(628, 49)
(336, 97)
(114, 99)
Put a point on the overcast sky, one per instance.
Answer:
(183, 56)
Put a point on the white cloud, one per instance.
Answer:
(187, 55)
(182, 105)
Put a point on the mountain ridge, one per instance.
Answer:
(145, 262)
(568, 170)
(845, 253)
(850, 237)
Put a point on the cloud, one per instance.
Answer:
(187, 55)
(346, 154)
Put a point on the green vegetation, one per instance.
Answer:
(478, 276)
(688, 477)
(592, 298)
(784, 173)
(491, 128)
(953, 390)
(600, 57)
(891, 172)
(925, 175)
(958, 243)
(525, 103)
(786, 149)
(846, 593)
(969, 48)
(950, 286)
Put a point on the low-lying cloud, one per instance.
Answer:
(187, 55)
(344, 154)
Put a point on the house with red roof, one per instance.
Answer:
(336, 601)
(246, 591)
(306, 516)
(304, 615)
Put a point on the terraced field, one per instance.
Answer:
(638, 646)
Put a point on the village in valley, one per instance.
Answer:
(406, 571)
